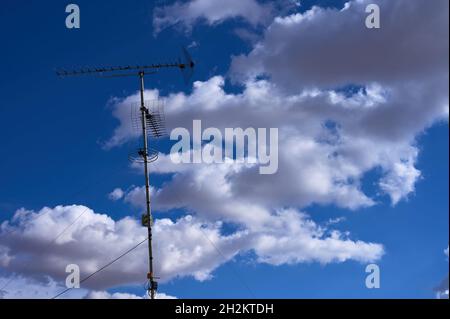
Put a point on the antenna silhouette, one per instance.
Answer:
(151, 122)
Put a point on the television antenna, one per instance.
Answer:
(151, 122)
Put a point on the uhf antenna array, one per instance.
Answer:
(151, 120)
(156, 128)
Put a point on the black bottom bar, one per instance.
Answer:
(242, 308)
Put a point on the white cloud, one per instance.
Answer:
(4, 258)
(210, 11)
(334, 221)
(329, 48)
(292, 238)
(121, 295)
(306, 57)
(320, 164)
(329, 140)
(20, 287)
(186, 247)
(324, 48)
(116, 194)
(401, 178)
(328, 143)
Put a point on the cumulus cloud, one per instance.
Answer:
(293, 238)
(296, 78)
(346, 99)
(324, 48)
(330, 47)
(329, 139)
(212, 12)
(185, 247)
(322, 142)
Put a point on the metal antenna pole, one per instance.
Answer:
(149, 221)
(147, 118)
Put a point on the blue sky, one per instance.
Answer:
(53, 130)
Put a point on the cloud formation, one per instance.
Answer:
(20, 287)
(331, 48)
(335, 89)
(347, 101)
(212, 12)
(116, 194)
(322, 141)
(185, 247)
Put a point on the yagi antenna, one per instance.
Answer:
(151, 121)
(186, 66)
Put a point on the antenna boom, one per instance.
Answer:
(140, 68)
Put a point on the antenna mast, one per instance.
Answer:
(146, 155)
(148, 220)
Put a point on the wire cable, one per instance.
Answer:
(216, 248)
(97, 182)
(53, 241)
(104, 267)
